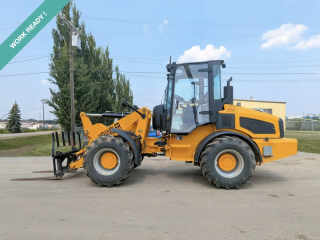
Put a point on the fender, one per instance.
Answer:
(133, 144)
(207, 139)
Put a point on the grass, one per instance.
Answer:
(307, 141)
(14, 143)
(30, 146)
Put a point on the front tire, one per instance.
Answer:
(108, 161)
(227, 162)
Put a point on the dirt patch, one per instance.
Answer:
(18, 152)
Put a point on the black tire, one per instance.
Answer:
(92, 161)
(244, 167)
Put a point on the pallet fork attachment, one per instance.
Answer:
(58, 157)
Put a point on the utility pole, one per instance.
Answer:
(71, 29)
(43, 113)
(73, 127)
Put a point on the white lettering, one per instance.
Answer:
(23, 34)
(13, 44)
(28, 29)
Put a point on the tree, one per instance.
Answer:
(96, 90)
(14, 119)
(122, 91)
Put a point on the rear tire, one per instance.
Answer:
(110, 173)
(227, 162)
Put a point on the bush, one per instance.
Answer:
(4, 131)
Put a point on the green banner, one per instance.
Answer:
(29, 29)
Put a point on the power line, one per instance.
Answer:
(273, 80)
(194, 24)
(7, 28)
(279, 67)
(145, 72)
(188, 23)
(188, 36)
(197, 36)
(164, 73)
(35, 73)
(27, 60)
(144, 97)
(164, 64)
(22, 74)
(227, 63)
(137, 61)
(273, 62)
(31, 110)
(32, 56)
(273, 73)
(10, 23)
(144, 60)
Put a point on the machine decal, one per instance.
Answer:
(117, 125)
(108, 131)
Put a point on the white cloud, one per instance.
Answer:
(288, 34)
(313, 42)
(165, 22)
(45, 82)
(195, 54)
(145, 27)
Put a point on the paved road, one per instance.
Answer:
(161, 200)
(15, 135)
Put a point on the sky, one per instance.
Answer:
(271, 48)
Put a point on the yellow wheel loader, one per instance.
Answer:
(198, 125)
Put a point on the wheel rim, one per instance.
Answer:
(109, 160)
(229, 163)
(106, 161)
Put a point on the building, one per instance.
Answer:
(3, 124)
(275, 108)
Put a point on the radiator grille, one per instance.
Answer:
(257, 126)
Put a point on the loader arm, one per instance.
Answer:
(133, 123)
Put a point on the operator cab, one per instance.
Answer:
(192, 97)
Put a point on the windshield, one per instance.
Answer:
(191, 98)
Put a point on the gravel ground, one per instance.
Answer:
(161, 200)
